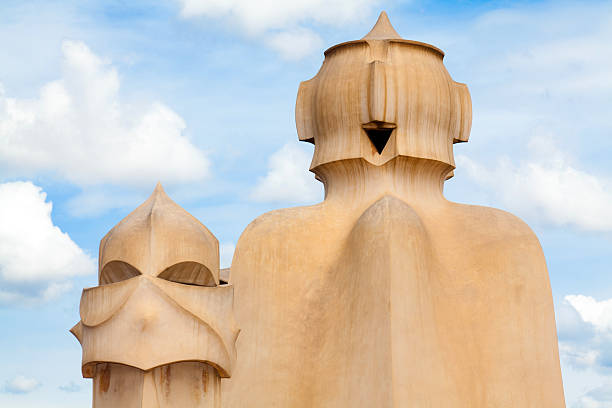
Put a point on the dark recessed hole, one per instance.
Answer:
(190, 273)
(117, 271)
(224, 276)
(379, 137)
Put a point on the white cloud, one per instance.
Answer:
(584, 325)
(21, 385)
(295, 44)
(288, 178)
(546, 187)
(570, 324)
(79, 130)
(282, 25)
(36, 257)
(598, 313)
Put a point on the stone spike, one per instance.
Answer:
(382, 30)
(159, 197)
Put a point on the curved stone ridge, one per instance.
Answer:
(146, 313)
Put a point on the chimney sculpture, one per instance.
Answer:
(159, 331)
(383, 295)
(386, 294)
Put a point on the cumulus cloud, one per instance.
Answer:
(79, 130)
(282, 25)
(21, 385)
(598, 313)
(584, 325)
(547, 186)
(288, 178)
(295, 44)
(36, 257)
(570, 324)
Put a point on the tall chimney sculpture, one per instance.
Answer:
(159, 331)
(386, 294)
(383, 295)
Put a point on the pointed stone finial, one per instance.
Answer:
(382, 30)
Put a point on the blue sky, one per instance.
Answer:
(99, 100)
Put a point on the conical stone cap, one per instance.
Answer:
(160, 238)
(382, 30)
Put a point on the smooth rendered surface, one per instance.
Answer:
(386, 294)
(188, 384)
(159, 330)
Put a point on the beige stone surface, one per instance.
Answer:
(159, 331)
(386, 294)
(187, 384)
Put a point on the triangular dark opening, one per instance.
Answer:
(379, 137)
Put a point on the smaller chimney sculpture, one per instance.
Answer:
(159, 330)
